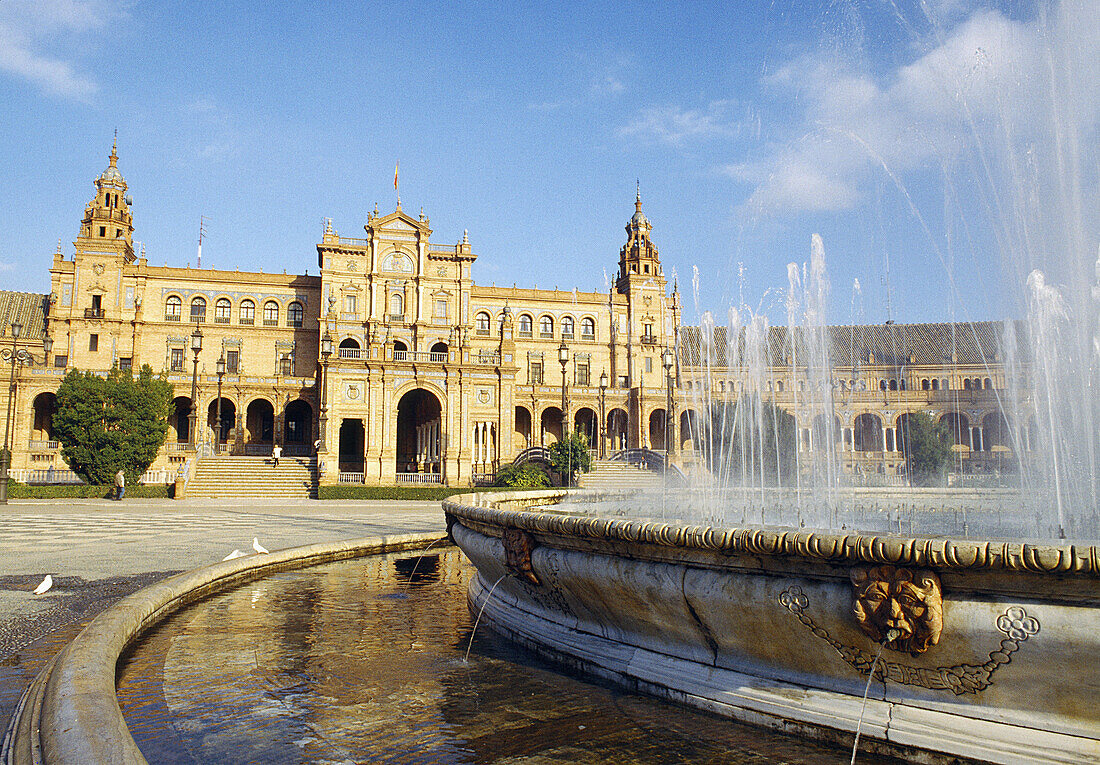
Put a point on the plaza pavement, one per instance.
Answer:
(98, 551)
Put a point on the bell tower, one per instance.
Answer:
(107, 227)
(638, 261)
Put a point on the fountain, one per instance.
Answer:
(769, 597)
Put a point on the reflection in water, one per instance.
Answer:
(322, 666)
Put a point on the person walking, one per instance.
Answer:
(120, 485)
(276, 453)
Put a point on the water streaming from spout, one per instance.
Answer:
(891, 635)
(477, 621)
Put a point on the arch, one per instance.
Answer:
(349, 348)
(550, 425)
(400, 350)
(223, 311)
(893, 384)
(526, 325)
(924, 384)
(260, 422)
(546, 326)
(198, 309)
(586, 422)
(271, 314)
(819, 432)
(482, 323)
(295, 314)
(588, 328)
(959, 426)
(352, 444)
(173, 308)
(178, 420)
(246, 314)
(690, 432)
(867, 433)
(616, 429)
(397, 304)
(229, 417)
(987, 383)
(996, 432)
(298, 422)
(966, 383)
(658, 427)
(935, 384)
(419, 446)
(521, 434)
(44, 407)
(438, 352)
(567, 326)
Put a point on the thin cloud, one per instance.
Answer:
(675, 125)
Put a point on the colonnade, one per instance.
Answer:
(485, 452)
(429, 441)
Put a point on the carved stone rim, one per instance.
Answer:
(833, 548)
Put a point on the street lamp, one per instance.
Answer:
(193, 418)
(563, 359)
(5, 456)
(326, 351)
(603, 415)
(666, 362)
(220, 366)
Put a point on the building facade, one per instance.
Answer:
(394, 365)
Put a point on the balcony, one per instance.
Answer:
(94, 313)
(349, 353)
(648, 340)
(38, 445)
(433, 356)
(172, 317)
(397, 318)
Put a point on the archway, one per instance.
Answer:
(585, 422)
(419, 432)
(351, 446)
(658, 426)
(821, 437)
(996, 434)
(690, 433)
(903, 426)
(298, 423)
(44, 407)
(616, 429)
(867, 433)
(438, 352)
(550, 425)
(229, 417)
(400, 350)
(349, 348)
(179, 423)
(521, 436)
(260, 422)
(959, 426)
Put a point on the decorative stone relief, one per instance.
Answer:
(518, 545)
(352, 392)
(904, 603)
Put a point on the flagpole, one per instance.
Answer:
(396, 183)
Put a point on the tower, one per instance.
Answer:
(639, 264)
(107, 227)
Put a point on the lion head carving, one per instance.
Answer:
(900, 607)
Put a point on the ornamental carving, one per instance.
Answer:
(518, 545)
(901, 608)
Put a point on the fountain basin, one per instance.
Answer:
(760, 624)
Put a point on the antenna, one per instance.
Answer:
(202, 234)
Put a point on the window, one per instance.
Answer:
(440, 311)
(397, 305)
(103, 231)
(286, 364)
(350, 304)
(294, 314)
(248, 312)
(536, 373)
(647, 334)
(624, 381)
(93, 343)
(583, 376)
(481, 322)
(126, 363)
(588, 329)
(567, 328)
(546, 326)
(271, 314)
(198, 310)
(173, 308)
(175, 362)
(61, 361)
(526, 325)
(232, 362)
(648, 364)
(223, 309)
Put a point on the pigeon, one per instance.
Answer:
(258, 547)
(234, 554)
(47, 583)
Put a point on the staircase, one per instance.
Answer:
(227, 476)
(607, 475)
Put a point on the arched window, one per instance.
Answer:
(935, 384)
(987, 384)
(481, 322)
(893, 384)
(173, 308)
(588, 328)
(778, 386)
(223, 309)
(966, 384)
(546, 326)
(397, 305)
(294, 314)
(271, 314)
(567, 328)
(924, 384)
(248, 312)
(198, 310)
(526, 325)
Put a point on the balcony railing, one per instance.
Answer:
(419, 478)
(546, 335)
(271, 322)
(487, 358)
(566, 335)
(649, 340)
(94, 313)
(37, 445)
(221, 319)
(171, 317)
(247, 321)
(399, 318)
(588, 335)
(435, 356)
(349, 353)
(524, 333)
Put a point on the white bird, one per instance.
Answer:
(47, 583)
(234, 554)
(258, 547)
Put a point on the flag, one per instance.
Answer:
(396, 168)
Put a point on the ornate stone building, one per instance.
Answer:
(393, 365)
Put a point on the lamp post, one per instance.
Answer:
(193, 418)
(666, 362)
(5, 456)
(218, 417)
(563, 359)
(322, 422)
(603, 415)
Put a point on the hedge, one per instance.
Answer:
(83, 491)
(423, 493)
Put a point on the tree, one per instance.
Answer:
(108, 423)
(525, 476)
(570, 455)
(926, 446)
(751, 440)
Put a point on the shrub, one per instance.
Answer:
(526, 476)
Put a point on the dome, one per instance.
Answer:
(639, 219)
(111, 174)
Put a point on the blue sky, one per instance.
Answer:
(895, 130)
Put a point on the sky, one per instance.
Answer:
(923, 141)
